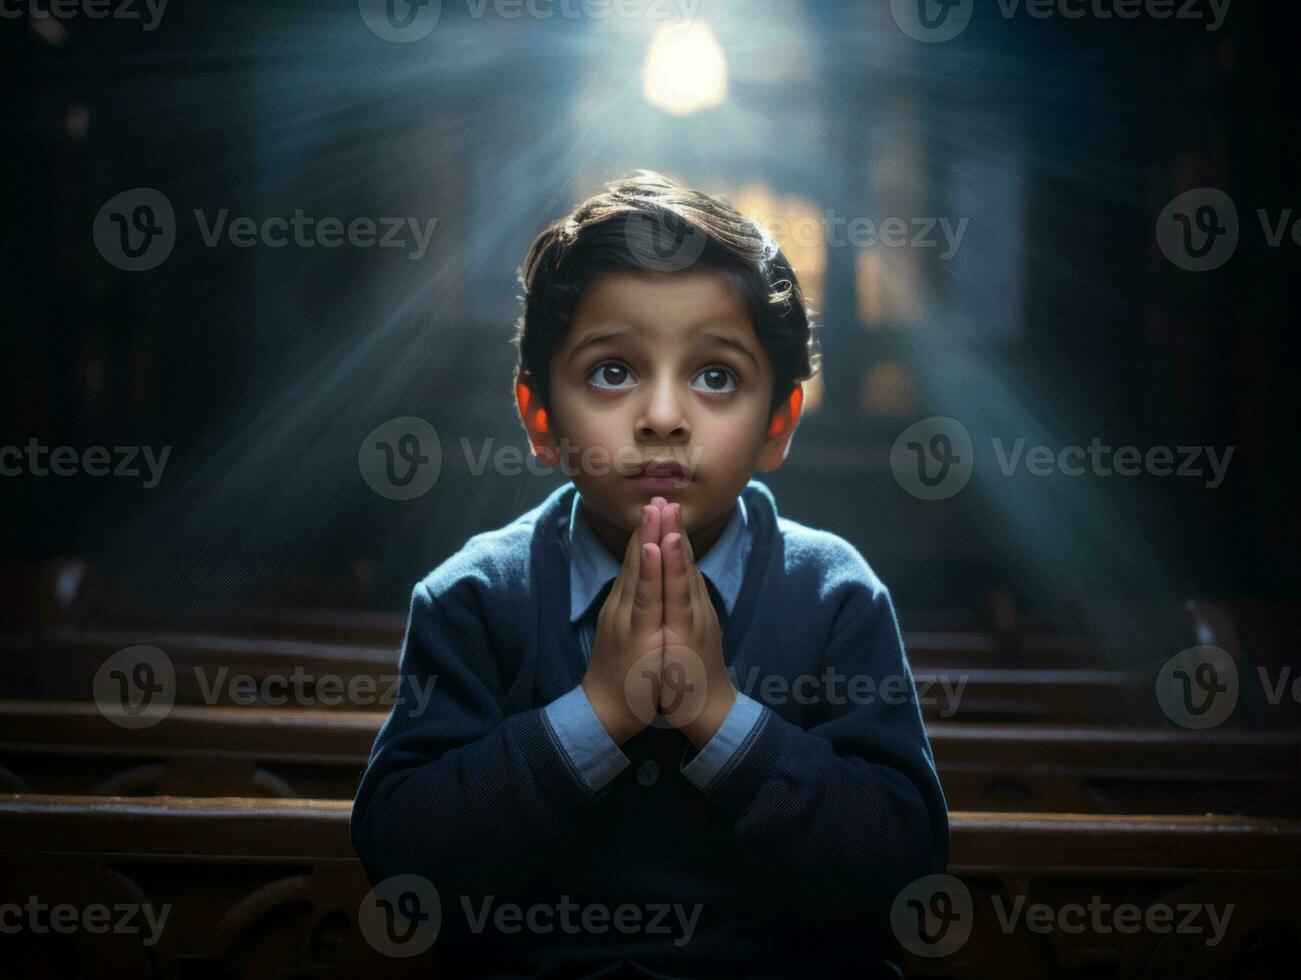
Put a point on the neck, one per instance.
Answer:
(616, 538)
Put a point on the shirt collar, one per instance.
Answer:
(591, 565)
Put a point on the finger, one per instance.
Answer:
(666, 525)
(677, 589)
(673, 522)
(688, 552)
(647, 607)
(670, 521)
(694, 576)
(653, 531)
(700, 592)
(695, 579)
(630, 568)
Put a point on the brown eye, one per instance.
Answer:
(717, 379)
(610, 374)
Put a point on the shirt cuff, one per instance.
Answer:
(720, 750)
(589, 746)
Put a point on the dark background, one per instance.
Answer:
(1059, 319)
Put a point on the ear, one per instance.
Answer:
(780, 429)
(537, 422)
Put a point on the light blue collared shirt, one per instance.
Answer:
(589, 746)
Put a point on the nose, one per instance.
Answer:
(663, 415)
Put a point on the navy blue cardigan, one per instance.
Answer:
(792, 854)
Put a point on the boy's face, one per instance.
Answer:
(659, 367)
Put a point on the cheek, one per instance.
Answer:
(728, 455)
(731, 442)
(585, 426)
(598, 429)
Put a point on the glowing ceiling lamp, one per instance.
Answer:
(685, 70)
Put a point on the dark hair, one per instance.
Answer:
(627, 227)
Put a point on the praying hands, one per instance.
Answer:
(658, 647)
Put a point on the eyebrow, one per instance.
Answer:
(731, 342)
(592, 340)
(718, 338)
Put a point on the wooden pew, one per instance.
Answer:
(1118, 770)
(71, 748)
(69, 592)
(251, 888)
(61, 663)
(67, 747)
(263, 888)
(993, 632)
(950, 648)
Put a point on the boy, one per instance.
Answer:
(588, 790)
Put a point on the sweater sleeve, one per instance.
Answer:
(456, 790)
(851, 806)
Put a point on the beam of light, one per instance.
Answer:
(685, 70)
(1085, 542)
(533, 108)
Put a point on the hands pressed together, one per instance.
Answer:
(658, 647)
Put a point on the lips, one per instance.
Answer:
(666, 468)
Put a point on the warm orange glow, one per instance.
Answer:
(887, 287)
(524, 398)
(799, 229)
(888, 390)
(870, 304)
(778, 425)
